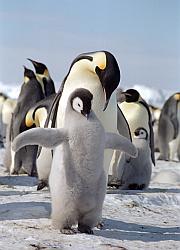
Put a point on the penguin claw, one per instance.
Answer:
(85, 229)
(41, 185)
(100, 225)
(67, 231)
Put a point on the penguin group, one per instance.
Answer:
(86, 136)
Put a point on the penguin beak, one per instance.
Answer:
(85, 114)
(33, 62)
(39, 67)
(123, 96)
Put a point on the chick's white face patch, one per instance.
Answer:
(142, 134)
(77, 104)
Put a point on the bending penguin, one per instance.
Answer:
(138, 116)
(25, 157)
(169, 129)
(99, 73)
(78, 178)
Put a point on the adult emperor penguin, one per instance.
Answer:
(169, 129)
(155, 112)
(99, 73)
(135, 173)
(77, 179)
(138, 115)
(3, 98)
(37, 116)
(30, 93)
(44, 78)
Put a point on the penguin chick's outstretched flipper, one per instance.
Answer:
(119, 142)
(45, 137)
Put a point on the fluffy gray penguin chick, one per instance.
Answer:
(77, 179)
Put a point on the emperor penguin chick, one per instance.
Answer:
(77, 179)
(135, 173)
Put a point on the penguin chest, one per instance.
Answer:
(136, 115)
(90, 82)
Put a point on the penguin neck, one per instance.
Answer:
(39, 77)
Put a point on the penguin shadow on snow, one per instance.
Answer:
(120, 230)
(145, 191)
(18, 181)
(24, 210)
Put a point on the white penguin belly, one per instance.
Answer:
(136, 116)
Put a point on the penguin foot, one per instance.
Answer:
(114, 182)
(100, 225)
(162, 158)
(14, 172)
(85, 229)
(142, 186)
(133, 186)
(67, 231)
(42, 184)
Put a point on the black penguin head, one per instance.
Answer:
(40, 68)
(109, 76)
(28, 73)
(3, 95)
(131, 95)
(81, 101)
(102, 63)
(141, 133)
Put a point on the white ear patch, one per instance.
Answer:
(77, 104)
(142, 134)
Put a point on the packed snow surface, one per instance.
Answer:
(148, 219)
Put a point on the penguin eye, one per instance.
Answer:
(77, 104)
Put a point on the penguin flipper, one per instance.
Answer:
(45, 137)
(119, 142)
(122, 124)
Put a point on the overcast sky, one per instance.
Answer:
(143, 35)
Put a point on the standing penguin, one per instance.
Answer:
(135, 173)
(37, 115)
(99, 73)
(138, 115)
(77, 179)
(30, 93)
(44, 78)
(169, 129)
(155, 112)
(3, 98)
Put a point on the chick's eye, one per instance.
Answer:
(79, 105)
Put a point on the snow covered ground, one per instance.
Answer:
(132, 219)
